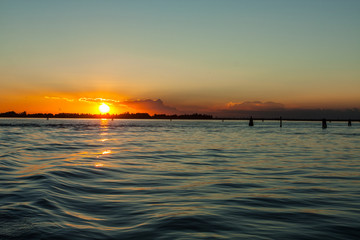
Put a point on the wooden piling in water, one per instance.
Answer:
(280, 121)
(349, 123)
(251, 122)
(324, 125)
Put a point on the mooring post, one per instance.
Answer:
(324, 125)
(251, 122)
(349, 123)
(280, 121)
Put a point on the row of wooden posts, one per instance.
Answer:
(251, 122)
(323, 121)
(324, 124)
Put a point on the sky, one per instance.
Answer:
(175, 56)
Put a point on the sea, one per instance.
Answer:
(181, 179)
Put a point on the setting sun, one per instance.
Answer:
(104, 108)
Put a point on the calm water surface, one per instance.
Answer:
(137, 179)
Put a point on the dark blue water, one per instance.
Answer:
(123, 179)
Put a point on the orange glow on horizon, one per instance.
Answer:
(109, 102)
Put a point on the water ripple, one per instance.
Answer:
(92, 179)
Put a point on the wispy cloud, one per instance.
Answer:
(150, 106)
(98, 100)
(60, 98)
(255, 106)
(139, 105)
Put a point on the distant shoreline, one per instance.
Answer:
(212, 119)
(144, 116)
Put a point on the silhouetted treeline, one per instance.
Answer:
(309, 115)
(132, 115)
(45, 115)
(126, 115)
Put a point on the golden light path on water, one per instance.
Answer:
(104, 132)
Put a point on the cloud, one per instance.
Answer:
(255, 106)
(98, 100)
(150, 106)
(141, 105)
(60, 98)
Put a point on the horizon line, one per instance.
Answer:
(139, 115)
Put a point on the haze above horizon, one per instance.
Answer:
(176, 57)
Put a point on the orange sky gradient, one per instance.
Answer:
(77, 104)
(178, 57)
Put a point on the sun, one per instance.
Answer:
(104, 108)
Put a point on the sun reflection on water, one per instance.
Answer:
(106, 152)
(104, 127)
(98, 165)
